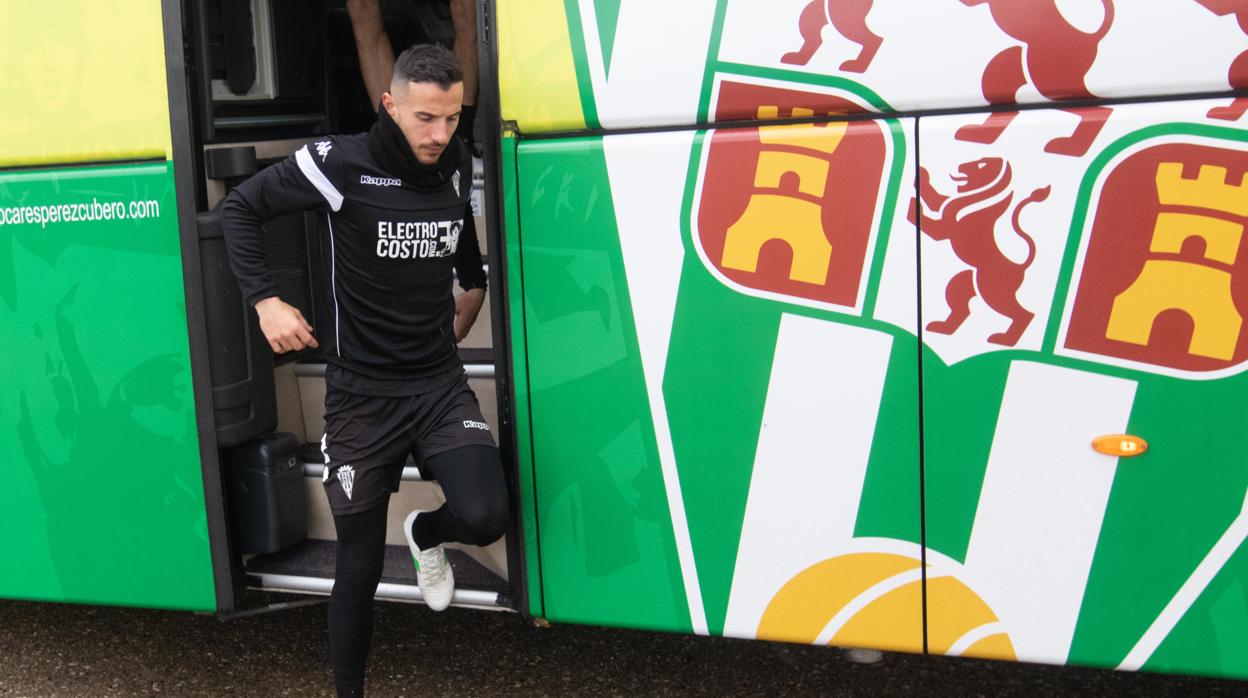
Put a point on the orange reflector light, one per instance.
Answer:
(1122, 445)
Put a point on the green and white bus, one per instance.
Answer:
(915, 326)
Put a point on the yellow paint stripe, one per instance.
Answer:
(993, 647)
(804, 605)
(952, 610)
(536, 73)
(892, 622)
(83, 80)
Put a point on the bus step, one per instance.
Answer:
(308, 568)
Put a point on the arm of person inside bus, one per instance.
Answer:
(372, 47)
(376, 55)
(471, 273)
(297, 183)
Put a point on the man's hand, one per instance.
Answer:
(283, 325)
(467, 306)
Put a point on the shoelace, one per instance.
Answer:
(431, 565)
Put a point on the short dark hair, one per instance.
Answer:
(427, 63)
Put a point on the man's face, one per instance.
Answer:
(427, 115)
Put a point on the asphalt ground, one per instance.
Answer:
(65, 650)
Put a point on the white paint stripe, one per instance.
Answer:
(647, 175)
(864, 599)
(631, 96)
(819, 422)
(1043, 502)
(318, 178)
(974, 635)
(333, 283)
(1191, 590)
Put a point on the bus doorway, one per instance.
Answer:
(268, 77)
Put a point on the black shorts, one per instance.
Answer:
(368, 439)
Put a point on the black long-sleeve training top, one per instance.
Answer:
(391, 247)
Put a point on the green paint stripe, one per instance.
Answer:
(629, 320)
(607, 17)
(33, 175)
(889, 506)
(712, 58)
(523, 424)
(608, 549)
(715, 402)
(585, 84)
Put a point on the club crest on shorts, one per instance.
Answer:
(346, 476)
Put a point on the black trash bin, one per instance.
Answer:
(268, 501)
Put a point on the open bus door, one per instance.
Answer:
(259, 90)
(163, 456)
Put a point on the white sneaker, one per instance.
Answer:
(433, 570)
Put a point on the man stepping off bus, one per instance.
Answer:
(398, 222)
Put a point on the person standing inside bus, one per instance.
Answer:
(376, 55)
(397, 225)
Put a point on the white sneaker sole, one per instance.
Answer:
(435, 599)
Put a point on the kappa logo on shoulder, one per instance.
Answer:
(323, 148)
(380, 181)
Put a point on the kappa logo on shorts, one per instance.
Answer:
(471, 424)
(346, 476)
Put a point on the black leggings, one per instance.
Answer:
(475, 513)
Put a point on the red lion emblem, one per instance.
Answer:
(849, 17)
(967, 220)
(1054, 56)
(1238, 74)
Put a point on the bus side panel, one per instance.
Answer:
(790, 384)
(723, 443)
(103, 497)
(608, 551)
(1065, 299)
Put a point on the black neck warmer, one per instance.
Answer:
(389, 147)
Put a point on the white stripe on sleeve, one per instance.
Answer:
(318, 178)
